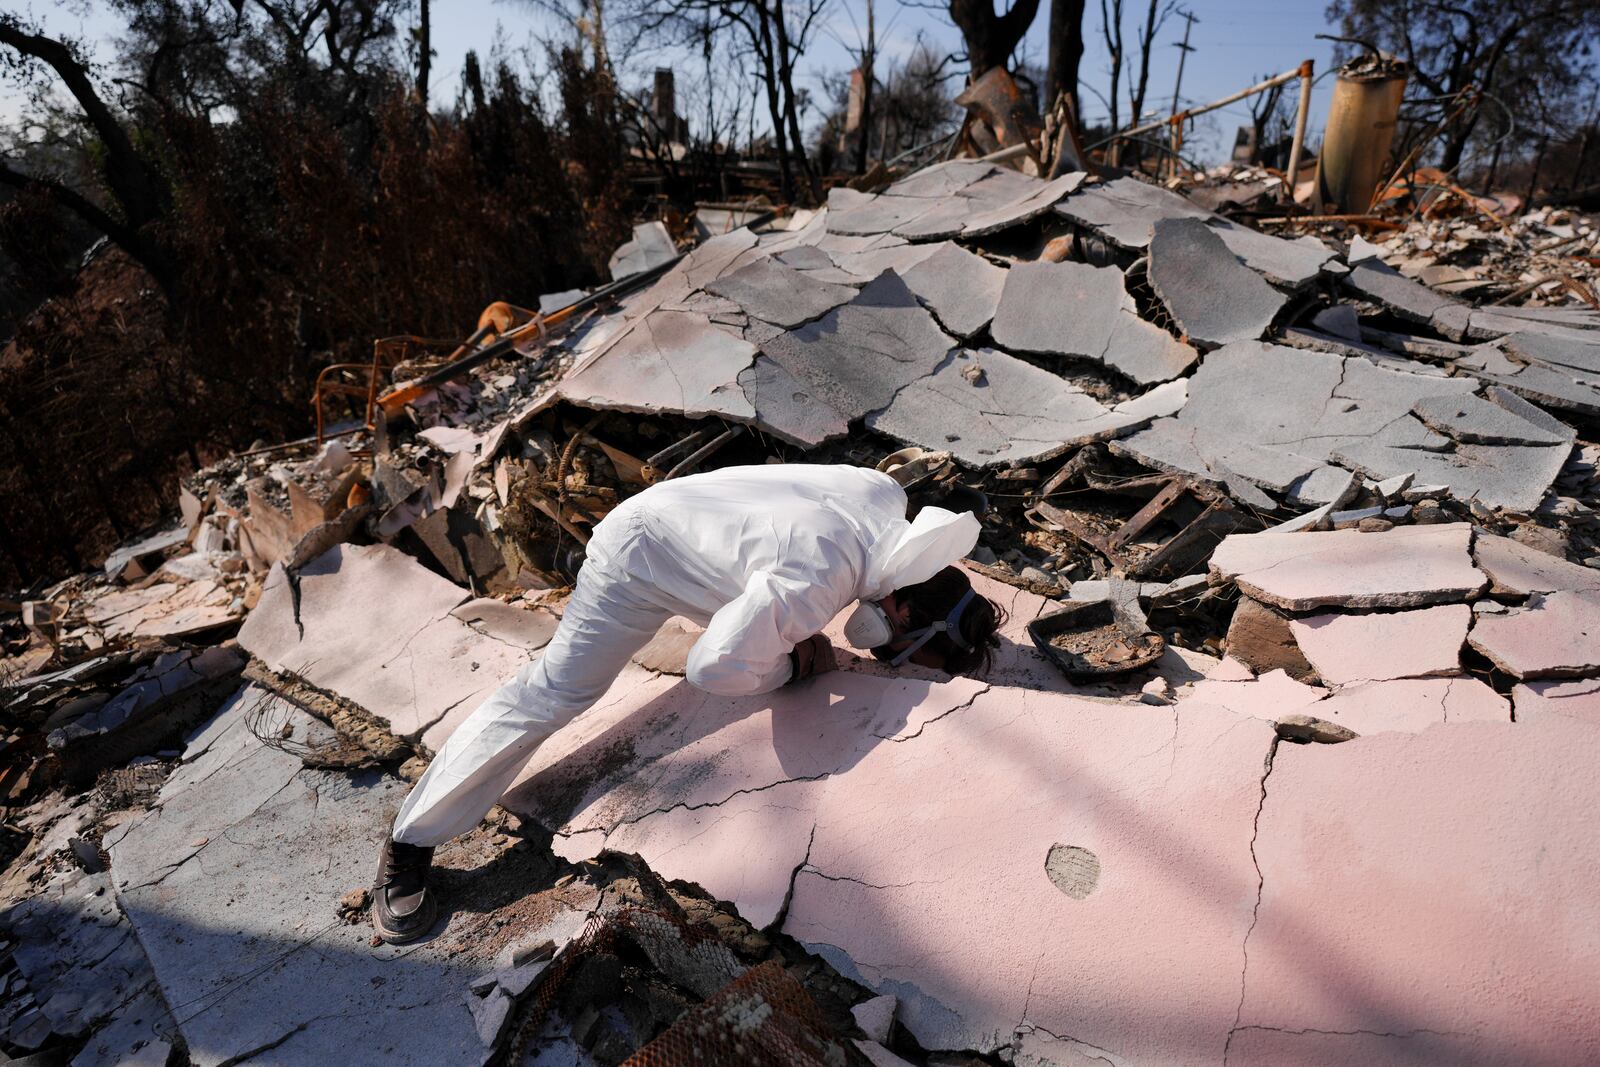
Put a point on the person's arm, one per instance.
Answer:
(745, 649)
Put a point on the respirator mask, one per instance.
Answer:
(868, 627)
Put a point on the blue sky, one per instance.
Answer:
(1234, 40)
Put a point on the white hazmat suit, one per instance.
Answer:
(763, 557)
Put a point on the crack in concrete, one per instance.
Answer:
(929, 722)
(788, 896)
(1255, 912)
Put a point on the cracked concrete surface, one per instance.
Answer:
(375, 626)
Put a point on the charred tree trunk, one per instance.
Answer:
(991, 38)
(1066, 52)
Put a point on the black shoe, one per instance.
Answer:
(402, 908)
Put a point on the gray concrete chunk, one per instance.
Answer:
(1475, 420)
(1027, 206)
(878, 214)
(1384, 285)
(855, 358)
(675, 361)
(781, 295)
(1214, 298)
(988, 408)
(1074, 309)
(1295, 263)
(1579, 353)
(1125, 210)
(960, 288)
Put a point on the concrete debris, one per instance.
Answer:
(1409, 566)
(1214, 299)
(1073, 309)
(1345, 553)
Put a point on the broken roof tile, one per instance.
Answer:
(1214, 298)
(1074, 309)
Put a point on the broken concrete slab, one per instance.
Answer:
(1408, 566)
(134, 561)
(1349, 649)
(651, 246)
(1382, 284)
(1578, 700)
(668, 360)
(1262, 638)
(1515, 568)
(375, 627)
(943, 180)
(1074, 309)
(781, 295)
(1580, 353)
(1553, 636)
(738, 851)
(851, 361)
(1273, 415)
(83, 966)
(988, 408)
(1360, 962)
(1294, 263)
(1269, 697)
(1474, 420)
(1213, 297)
(222, 883)
(1023, 208)
(870, 215)
(960, 288)
(1413, 704)
(160, 700)
(1124, 211)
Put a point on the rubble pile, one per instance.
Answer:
(1298, 548)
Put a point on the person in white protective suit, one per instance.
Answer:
(764, 557)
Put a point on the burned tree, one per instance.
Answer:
(1066, 52)
(1464, 54)
(991, 37)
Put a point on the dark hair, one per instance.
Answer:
(933, 600)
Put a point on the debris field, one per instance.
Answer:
(1285, 757)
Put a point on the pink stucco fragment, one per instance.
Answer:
(1577, 699)
(1270, 697)
(1412, 704)
(376, 627)
(1427, 898)
(1228, 669)
(1403, 567)
(1555, 636)
(1347, 649)
(1516, 568)
(927, 875)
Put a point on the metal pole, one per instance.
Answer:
(1183, 54)
(1259, 87)
(1293, 173)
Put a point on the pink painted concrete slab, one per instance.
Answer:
(1407, 566)
(1578, 699)
(671, 744)
(927, 876)
(375, 627)
(1516, 568)
(1349, 649)
(1228, 669)
(1269, 697)
(1428, 899)
(1412, 704)
(1555, 636)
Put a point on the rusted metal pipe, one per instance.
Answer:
(1189, 113)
